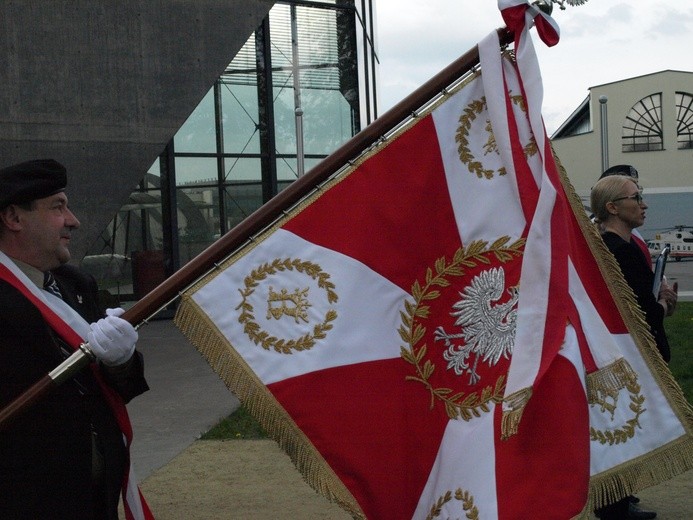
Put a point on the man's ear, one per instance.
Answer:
(10, 218)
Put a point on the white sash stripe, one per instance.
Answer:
(536, 265)
(57, 305)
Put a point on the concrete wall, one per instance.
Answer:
(103, 86)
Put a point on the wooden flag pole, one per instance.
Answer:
(169, 290)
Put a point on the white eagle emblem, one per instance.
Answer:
(487, 330)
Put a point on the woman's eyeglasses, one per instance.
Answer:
(637, 198)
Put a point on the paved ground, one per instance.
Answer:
(185, 399)
(238, 480)
(681, 272)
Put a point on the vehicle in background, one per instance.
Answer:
(679, 239)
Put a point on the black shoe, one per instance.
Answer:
(633, 499)
(635, 513)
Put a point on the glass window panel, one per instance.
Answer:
(327, 121)
(243, 169)
(198, 134)
(240, 200)
(287, 169)
(684, 120)
(642, 130)
(280, 31)
(284, 120)
(198, 220)
(239, 118)
(317, 42)
(196, 170)
(310, 163)
(154, 169)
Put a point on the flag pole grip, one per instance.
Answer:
(79, 359)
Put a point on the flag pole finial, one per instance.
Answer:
(561, 3)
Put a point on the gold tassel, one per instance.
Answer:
(609, 380)
(513, 408)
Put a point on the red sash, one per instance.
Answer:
(133, 511)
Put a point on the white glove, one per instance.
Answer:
(112, 339)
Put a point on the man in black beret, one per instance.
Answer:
(31, 180)
(66, 456)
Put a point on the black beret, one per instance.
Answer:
(31, 180)
(621, 169)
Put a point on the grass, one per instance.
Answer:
(241, 425)
(679, 329)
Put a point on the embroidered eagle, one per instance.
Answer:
(488, 329)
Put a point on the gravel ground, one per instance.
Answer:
(239, 479)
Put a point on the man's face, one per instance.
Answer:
(47, 228)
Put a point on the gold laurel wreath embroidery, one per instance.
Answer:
(471, 512)
(627, 431)
(457, 405)
(468, 116)
(261, 337)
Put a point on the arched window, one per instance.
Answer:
(642, 131)
(684, 120)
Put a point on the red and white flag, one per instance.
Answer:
(430, 333)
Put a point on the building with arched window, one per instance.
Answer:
(647, 122)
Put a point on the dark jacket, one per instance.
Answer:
(46, 453)
(640, 278)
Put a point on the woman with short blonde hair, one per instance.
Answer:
(605, 191)
(619, 207)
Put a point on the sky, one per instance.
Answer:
(602, 41)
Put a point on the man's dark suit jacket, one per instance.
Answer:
(46, 453)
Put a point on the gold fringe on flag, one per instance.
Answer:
(609, 380)
(513, 408)
(671, 459)
(649, 470)
(262, 405)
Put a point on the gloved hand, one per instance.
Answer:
(112, 339)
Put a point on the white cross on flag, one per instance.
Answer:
(437, 331)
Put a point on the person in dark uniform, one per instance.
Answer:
(619, 208)
(65, 456)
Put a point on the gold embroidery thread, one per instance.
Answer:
(471, 511)
(263, 338)
(470, 113)
(626, 431)
(293, 304)
(458, 405)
